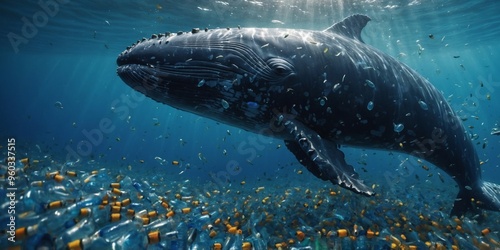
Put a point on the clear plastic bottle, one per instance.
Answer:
(55, 222)
(92, 242)
(162, 225)
(113, 232)
(201, 242)
(134, 240)
(146, 191)
(236, 243)
(200, 221)
(33, 200)
(82, 229)
(180, 241)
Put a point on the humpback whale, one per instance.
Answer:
(316, 90)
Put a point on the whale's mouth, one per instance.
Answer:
(135, 74)
(167, 86)
(193, 86)
(164, 77)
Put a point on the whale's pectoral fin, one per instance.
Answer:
(323, 158)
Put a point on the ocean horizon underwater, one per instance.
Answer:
(100, 166)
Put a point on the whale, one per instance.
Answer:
(317, 90)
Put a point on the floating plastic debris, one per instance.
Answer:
(423, 105)
(58, 104)
(202, 157)
(253, 105)
(201, 83)
(336, 87)
(369, 106)
(280, 118)
(322, 100)
(277, 21)
(160, 160)
(182, 142)
(224, 103)
(370, 83)
(398, 127)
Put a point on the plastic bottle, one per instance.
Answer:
(236, 242)
(134, 240)
(146, 191)
(113, 232)
(82, 229)
(200, 221)
(181, 242)
(162, 225)
(92, 186)
(101, 214)
(126, 183)
(201, 242)
(57, 221)
(33, 201)
(92, 242)
(90, 200)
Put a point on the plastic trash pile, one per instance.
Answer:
(75, 209)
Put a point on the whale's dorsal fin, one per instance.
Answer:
(322, 158)
(351, 26)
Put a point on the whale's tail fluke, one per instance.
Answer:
(487, 196)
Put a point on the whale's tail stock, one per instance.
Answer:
(485, 196)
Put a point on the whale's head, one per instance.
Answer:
(236, 76)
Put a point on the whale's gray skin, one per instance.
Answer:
(314, 89)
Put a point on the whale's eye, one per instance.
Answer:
(280, 67)
(280, 70)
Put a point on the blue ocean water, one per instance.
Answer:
(62, 100)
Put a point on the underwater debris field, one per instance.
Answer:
(81, 206)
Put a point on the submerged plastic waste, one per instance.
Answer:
(79, 209)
